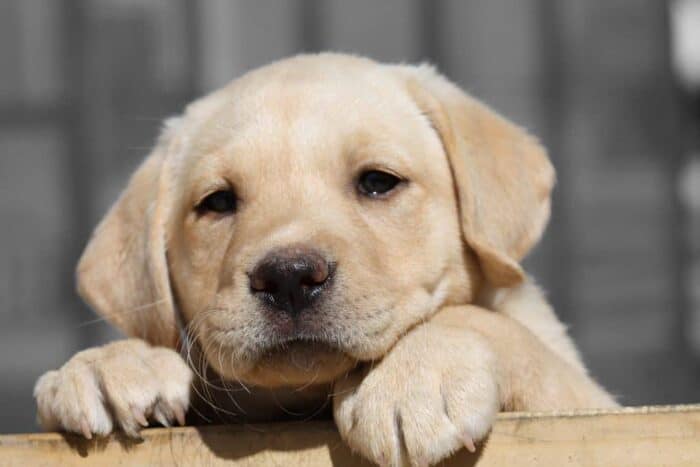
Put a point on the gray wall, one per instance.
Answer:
(84, 85)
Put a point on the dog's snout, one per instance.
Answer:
(290, 279)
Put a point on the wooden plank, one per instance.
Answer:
(647, 436)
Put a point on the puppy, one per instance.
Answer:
(326, 231)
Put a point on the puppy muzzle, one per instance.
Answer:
(290, 280)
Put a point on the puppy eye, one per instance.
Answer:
(375, 182)
(220, 202)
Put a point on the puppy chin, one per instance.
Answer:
(298, 363)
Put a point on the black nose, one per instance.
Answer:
(290, 279)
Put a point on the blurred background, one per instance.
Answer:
(611, 87)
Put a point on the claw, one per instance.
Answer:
(139, 416)
(131, 431)
(85, 428)
(161, 417)
(179, 414)
(469, 443)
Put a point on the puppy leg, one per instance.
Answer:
(440, 387)
(120, 385)
(534, 374)
(527, 305)
(433, 393)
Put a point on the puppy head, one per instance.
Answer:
(307, 215)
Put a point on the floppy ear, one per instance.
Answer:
(123, 273)
(502, 175)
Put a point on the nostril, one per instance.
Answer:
(321, 275)
(257, 282)
(317, 274)
(290, 279)
(309, 282)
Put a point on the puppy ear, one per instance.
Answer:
(123, 273)
(502, 175)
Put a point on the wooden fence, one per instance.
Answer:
(645, 436)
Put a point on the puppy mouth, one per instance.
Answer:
(299, 343)
(309, 329)
(299, 361)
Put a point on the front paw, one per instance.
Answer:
(120, 385)
(433, 394)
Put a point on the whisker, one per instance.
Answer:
(211, 404)
(310, 382)
(227, 390)
(235, 375)
(323, 405)
(283, 408)
(209, 399)
(108, 316)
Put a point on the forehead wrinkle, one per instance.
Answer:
(290, 131)
(294, 93)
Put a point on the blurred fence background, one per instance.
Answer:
(84, 85)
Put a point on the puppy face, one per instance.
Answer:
(312, 162)
(304, 217)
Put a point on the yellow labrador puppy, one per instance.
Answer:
(320, 232)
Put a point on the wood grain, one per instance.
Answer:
(645, 436)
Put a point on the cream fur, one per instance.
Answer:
(413, 368)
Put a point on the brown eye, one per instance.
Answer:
(376, 183)
(220, 202)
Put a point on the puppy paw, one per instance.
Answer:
(123, 385)
(433, 394)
